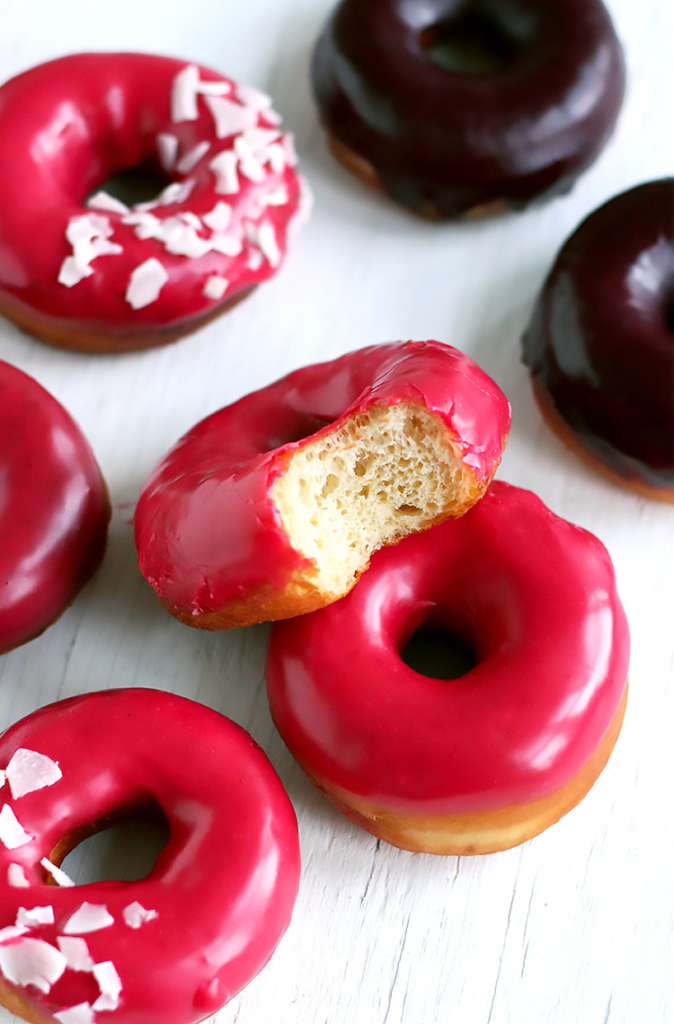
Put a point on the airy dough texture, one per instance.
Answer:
(383, 474)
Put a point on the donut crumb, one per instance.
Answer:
(381, 475)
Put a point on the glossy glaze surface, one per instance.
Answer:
(54, 508)
(601, 344)
(445, 142)
(207, 530)
(224, 886)
(534, 595)
(70, 125)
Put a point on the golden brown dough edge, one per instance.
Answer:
(481, 832)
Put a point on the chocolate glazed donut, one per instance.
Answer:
(459, 107)
(600, 345)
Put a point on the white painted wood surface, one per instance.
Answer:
(574, 927)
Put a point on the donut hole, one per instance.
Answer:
(124, 846)
(485, 39)
(381, 475)
(132, 185)
(439, 652)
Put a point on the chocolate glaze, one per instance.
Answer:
(535, 596)
(54, 508)
(445, 142)
(224, 886)
(600, 343)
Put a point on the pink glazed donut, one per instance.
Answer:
(95, 275)
(172, 947)
(272, 506)
(483, 762)
(54, 509)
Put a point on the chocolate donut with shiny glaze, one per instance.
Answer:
(527, 97)
(600, 345)
(54, 509)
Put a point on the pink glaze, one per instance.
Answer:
(69, 125)
(54, 508)
(536, 598)
(207, 530)
(222, 890)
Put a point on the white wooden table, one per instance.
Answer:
(576, 925)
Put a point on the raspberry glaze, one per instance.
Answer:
(207, 530)
(447, 141)
(222, 891)
(54, 508)
(534, 595)
(67, 127)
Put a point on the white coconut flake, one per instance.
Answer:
(181, 239)
(32, 962)
(184, 94)
(59, 876)
(12, 834)
(87, 226)
(176, 192)
(104, 201)
(3, 778)
(226, 244)
(217, 88)
(76, 952)
(192, 157)
(16, 877)
(279, 197)
(146, 225)
(272, 116)
(71, 273)
(264, 237)
(167, 147)
(215, 287)
(255, 260)
(29, 771)
(252, 97)
(145, 284)
(110, 985)
(289, 149)
(259, 139)
(219, 217)
(33, 917)
(226, 176)
(90, 917)
(230, 118)
(13, 931)
(135, 914)
(83, 1013)
(191, 218)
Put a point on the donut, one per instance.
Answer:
(272, 506)
(83, 270)
(54, 509)
(482, 762)
(600, 346)
(467, 107)
(176, 945)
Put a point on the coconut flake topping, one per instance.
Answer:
(16, 877)
(104, 201)
(186, 90)
(35, 916)
(192, 157)
(90, 917)
(12, 834)
(76, 952)
(32, 962)
(226, 177)
(110, 985)
(136, 915)
(167, 147)
(215, 288)
(83, 1013)
(12, 931)
(230, 118)
(28, 771)
(145, 284)
(59, 876)
(219, 217)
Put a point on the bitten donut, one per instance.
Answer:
(172, 947)
(457, 108)
(600, 345)
(54, 509)
(272, 506)
(485, 761)
(82, 270)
